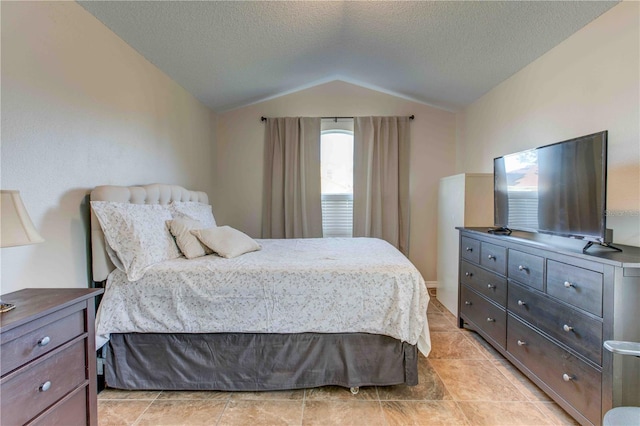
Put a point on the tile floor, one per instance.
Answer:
(463, 382)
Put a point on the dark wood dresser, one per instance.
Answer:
(548, 308)
(47, 357)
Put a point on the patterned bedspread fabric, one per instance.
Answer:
(324, 285)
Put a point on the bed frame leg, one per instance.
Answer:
(355, 390)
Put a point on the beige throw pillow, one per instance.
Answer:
(188, 243)
(226, 241)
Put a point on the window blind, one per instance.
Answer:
(337, 215)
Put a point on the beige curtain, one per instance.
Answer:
(292, 206)
(381, 179)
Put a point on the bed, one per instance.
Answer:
(293, 314)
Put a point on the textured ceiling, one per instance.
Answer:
(232, 53)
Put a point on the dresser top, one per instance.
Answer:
(33, 303)
(628, 258)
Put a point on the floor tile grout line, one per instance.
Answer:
(304, 403)
(544, 415)
(137, 420)
(384, 418)
(480, 348)
(223, 411)
(445, 311)
(459, 359)
(529, 403)
(127, 399)
(451, 319)
(554, 420)
(453, 398)
(526, 401)
(462, 411)
(475, 345)
(517, 383)
(492, 359)
(443, 383)
(148, 406)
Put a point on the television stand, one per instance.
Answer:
(590, 243)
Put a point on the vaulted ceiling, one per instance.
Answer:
(444, 53)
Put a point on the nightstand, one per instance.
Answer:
(47, 357)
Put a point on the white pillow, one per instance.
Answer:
(193, 210)
(226, 241)
(188, 243)
(137, 233)
(113, 256)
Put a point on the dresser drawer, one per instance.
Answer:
(494, 257)
(486, 316)
(571, 327)
(71, 410)
(527, 269)
(574, 380)
(470, 249)
(487, 283)
(577, 286)
(23, 396)
(30, 344)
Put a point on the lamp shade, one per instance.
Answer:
(16, 228)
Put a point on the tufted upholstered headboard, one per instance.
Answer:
(146, 194)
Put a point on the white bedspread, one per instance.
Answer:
(324, 285)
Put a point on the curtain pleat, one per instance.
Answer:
(381, 179)
(292, 206)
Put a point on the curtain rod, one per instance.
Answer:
(263, 118)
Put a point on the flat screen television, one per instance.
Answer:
(558, 189)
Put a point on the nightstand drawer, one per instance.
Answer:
(28, 392)
(577, 286)
(486, 316)
(574, 380)
(569, 326)
(487, 283)
(470, 249)
(34, 343)
(527, 269)
(493, 257)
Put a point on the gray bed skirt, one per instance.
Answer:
(257, 362)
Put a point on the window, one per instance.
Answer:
(337, 183)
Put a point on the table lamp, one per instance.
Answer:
(16, 228)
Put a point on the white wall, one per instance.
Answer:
(81, 108)
(240, 138)
(588, 83)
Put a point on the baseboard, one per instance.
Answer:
(432, 284)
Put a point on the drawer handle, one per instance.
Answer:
(521, 343)
(468, 274)
(491, 320)
(567, 284)
(491, 257)
(44, 341)
(469, 248)
(45, 386)
(567, 328)
(521, 303)
(567, 378)
(467, 303)
(491, 286)
(523, 268)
